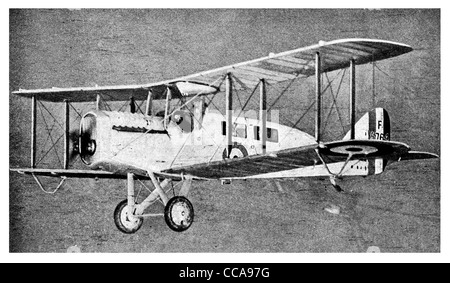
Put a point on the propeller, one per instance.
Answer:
(74, 140)
(85, 139)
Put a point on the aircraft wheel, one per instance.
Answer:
(179, 213)
(123, 222)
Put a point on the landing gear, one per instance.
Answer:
(125, 222)
(179, 214)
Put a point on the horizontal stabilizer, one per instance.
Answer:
(411, 155)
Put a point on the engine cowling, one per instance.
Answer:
(112, 140)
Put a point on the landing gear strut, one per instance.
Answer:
(178, 213)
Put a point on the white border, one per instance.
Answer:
(5, 256)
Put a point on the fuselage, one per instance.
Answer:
(142, 141)
(116, 141)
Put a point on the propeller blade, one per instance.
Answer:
(74, 142)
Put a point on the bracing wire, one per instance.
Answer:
(334, 102)
(49, 133)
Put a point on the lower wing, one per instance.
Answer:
(254, 165)
(301, 157)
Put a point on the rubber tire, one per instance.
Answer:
(118, 221)
(168, 213)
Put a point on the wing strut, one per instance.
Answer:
(352, 99)
(166, 112)
(33, 131)
(66, 134)
(263, 115)
(132, 105)
(98, 101)
(318, 95)
(148, 106)
(229, 113)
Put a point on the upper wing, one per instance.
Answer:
(294, 158)
(119, 93)
(275, 68)
(300, 62)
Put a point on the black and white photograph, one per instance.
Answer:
(232, 130)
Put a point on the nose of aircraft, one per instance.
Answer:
(87, 143)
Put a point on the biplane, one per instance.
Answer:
(183, 146)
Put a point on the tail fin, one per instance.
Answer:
(374, 125)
